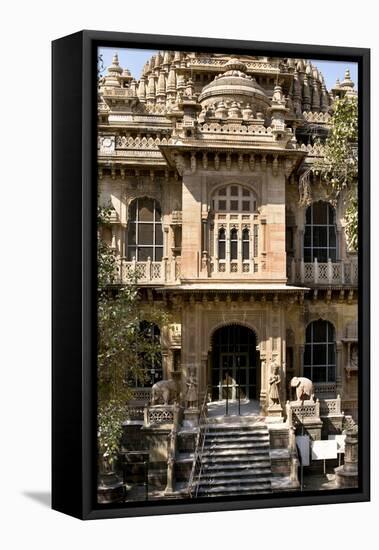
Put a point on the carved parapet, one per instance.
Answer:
(330, 407)
(306, 415)
(141, 394)
(159, 415)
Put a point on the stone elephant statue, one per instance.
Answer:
(164, 390)
(304, 388)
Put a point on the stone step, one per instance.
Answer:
(225, 428)
(249, 472)
(237, 451)
(236, 466)
(236, 460)
(230, 459)
(245, 445)
(235, 481)
(221, 490)
(236, 437)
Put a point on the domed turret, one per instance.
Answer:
(112, 79)
(234, 85)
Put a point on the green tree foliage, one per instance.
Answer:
(339, 167)
(106, 259)
(125, 343)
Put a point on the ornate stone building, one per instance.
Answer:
(206, 163)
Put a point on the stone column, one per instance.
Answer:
(339, 368)
(191, 237)
(347, 475)
(166, 364)
(300, 370)
(263, 392)
(203, 376)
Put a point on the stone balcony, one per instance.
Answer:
(149, 272)
(322, 274)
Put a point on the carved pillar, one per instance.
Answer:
(263, 392)
(300, 241)
(205, 247)
(340, 247)
(300, 364)
(203, 377)
(339, 368)
(166, 241)
(239, 251)
(166, 363)
(227, 255)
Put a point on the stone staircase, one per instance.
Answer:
(236, 460)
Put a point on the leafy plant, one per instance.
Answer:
(125, 344)
(107, 263)
(110, 418)
(339, 166)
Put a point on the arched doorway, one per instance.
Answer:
(234, 372)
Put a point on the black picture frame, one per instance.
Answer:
(74, 200)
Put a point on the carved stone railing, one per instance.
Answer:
(230, 127)
(149, 272)
(328, 273)
(159, 415)
(117, 92)
(225, 269)
(208, 62)
(321, 118)
(140, 398)
(145, 272)
(141, 394)
(123, 142)
(297, 411)
(330, 407)
(316, 150)
(135, 412)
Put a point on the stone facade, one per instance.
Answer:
(220, 147)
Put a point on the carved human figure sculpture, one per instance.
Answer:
(274, 382)
(304, 388)
(191, 394)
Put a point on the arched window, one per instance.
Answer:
(144, 234)
(233, 244)
(320, 235)
(245, 244)
(234, 198)
(320, 352)
(222, 244)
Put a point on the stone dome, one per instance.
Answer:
(234, 85)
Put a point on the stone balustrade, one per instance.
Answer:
(160, 415)
(141, 394)
(149, 272)
(330, 407)
(327, 273)
(297, 411)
